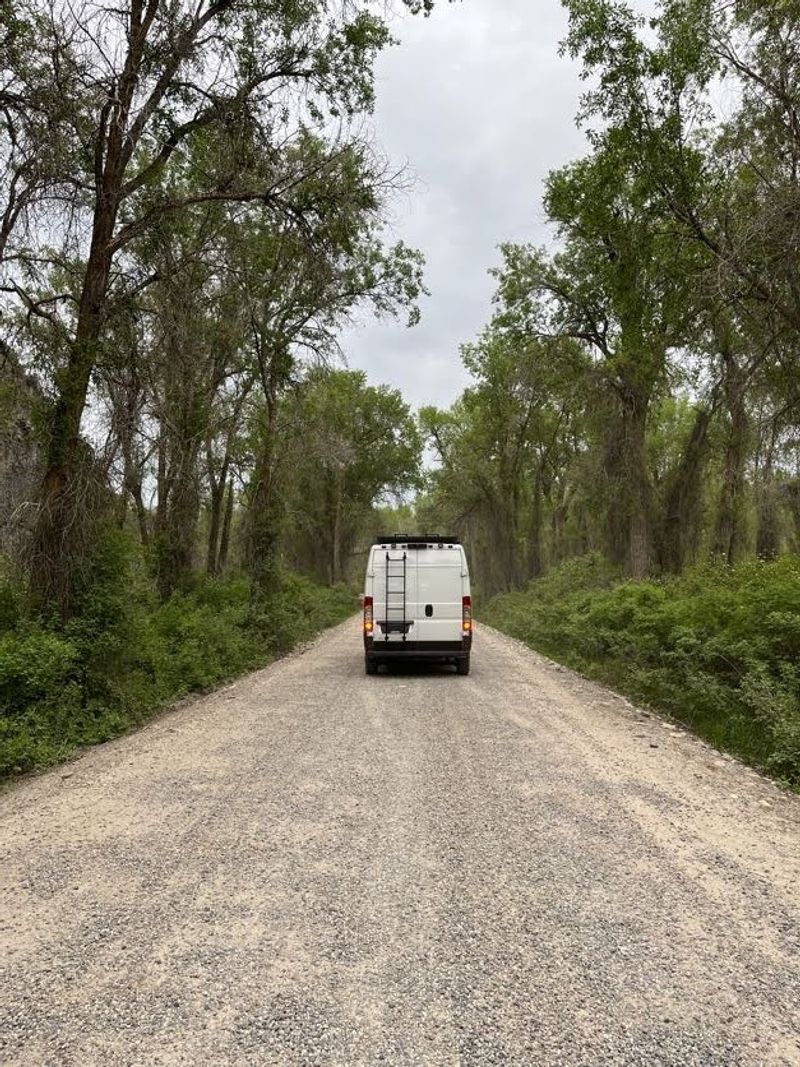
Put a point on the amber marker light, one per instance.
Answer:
(466, 614)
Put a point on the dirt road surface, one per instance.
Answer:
(316, 867)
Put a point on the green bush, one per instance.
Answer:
(718, 648)
(9, 606)
(124, 655)
(34, 666)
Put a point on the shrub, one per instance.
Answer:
(717, 647)
(124, 655)
(9, 606)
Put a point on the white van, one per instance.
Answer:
(417, 601)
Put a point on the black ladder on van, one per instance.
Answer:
(395, 619)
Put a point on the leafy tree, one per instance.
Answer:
(358, 447)
(730, 186)
(130, 87)
(504, 447)
(621, 287)
(297, 288)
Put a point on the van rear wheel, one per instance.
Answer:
(462, 665)
(370, 665)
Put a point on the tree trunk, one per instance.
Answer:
(768, 538)
(162, 480)
(630, 490)
(225, 536)
(503, 525)
(176, 541)
(641, 490)
(59, 526)
(218, 500)
(220, 496)
(262, 520)
(262, 539)
(683, 504)
(730, 540)
(132, 479)
(562, 547)
(214, 525)
(179, 507)
(535, 554)
(135, 490)
(768, 533)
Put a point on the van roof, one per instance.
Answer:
(418, 539)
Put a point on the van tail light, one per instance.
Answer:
(368, 621)
(466, 614)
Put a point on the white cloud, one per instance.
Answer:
(481, 106)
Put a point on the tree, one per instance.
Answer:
(38, 151)
(146, 81)
(297, 288)
(621, 286)
(358, 447)
(504, 447)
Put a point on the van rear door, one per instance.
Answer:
(395, 594)
(440, 584)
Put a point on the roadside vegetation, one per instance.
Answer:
(718, 647)
(625, 464)
(191, 210)
(157, 612)
(126, 654)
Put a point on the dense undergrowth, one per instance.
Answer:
(718, 648)
(125, 655)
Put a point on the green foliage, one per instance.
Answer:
(302, 609)
(505, 449)
(124, 656)
(717, 648)
(635, 388)
(351, 447)
(34, 665)
(9, 605)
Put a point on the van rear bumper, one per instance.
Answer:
(377, 649)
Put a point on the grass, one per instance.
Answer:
(717, 648)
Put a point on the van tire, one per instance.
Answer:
(370, 665)
(462, 665)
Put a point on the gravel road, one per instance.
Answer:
(316, 867)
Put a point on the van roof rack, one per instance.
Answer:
(416, 539)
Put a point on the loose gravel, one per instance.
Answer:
(316, 867)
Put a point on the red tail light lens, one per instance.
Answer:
(368, 622)
(466, 614)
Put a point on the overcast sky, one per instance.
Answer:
(479, 104)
